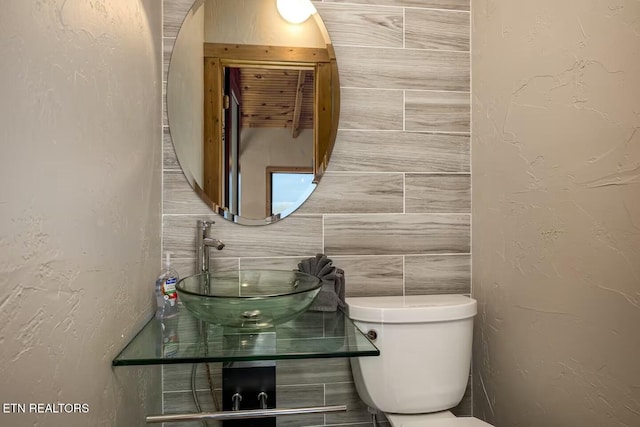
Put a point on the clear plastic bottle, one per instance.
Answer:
(166, 294)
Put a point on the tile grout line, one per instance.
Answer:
(404, 277)
(404, 193)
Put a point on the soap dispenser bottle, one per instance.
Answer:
(166, 294)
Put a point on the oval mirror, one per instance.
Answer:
(253, 106)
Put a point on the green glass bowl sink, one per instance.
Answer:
(248, 299)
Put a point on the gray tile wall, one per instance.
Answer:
(393, 209)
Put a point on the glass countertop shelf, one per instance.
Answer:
(310, 335)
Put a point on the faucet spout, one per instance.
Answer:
(213, 243)
(203, 244)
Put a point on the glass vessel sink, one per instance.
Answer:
(248, 299)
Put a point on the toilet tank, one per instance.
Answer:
(425, 351)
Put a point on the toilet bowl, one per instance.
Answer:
(425, 357)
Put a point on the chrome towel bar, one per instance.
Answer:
(238, 415)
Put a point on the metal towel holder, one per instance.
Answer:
(238, 415)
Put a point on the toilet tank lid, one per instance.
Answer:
(411, 308)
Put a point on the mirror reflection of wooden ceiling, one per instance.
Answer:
(277, 98)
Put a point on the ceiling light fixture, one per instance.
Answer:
(295, 11)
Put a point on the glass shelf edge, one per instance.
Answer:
(144, 340)
(151, 362)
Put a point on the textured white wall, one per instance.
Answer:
(79, 205)
(556, 212)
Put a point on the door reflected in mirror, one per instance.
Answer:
(267, 122)
(253, 118)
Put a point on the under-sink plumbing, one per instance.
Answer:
(204, 243)
(374, 416)
(262, 398)
(236, 398)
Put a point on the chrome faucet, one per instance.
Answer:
(203, 245)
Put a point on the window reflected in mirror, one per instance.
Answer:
(287, 189)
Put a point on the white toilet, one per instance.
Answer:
(425, 357)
